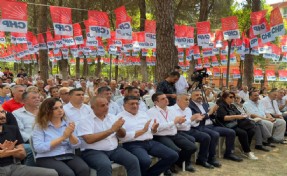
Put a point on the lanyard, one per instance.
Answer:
(165, 116)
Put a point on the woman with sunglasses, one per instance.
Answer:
(228, 115)
(54, 141)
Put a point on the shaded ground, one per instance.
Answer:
(273, 163)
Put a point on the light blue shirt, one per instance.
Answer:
(254, 108)
(25, 120)
(42, 141)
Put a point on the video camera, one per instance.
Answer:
(198, 75)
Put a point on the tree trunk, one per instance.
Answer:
(144, 72)
(85, 68)
(98, 68)
(117, 69)
(42, 27)
(249, 61)
(63, 65)
(166, 50)
(77, 67)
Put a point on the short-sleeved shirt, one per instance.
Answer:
(10, 133)
(12, 105)
(167, 88)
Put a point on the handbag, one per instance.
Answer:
(231, 124)
(246, 124)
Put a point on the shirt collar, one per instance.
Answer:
(63, 123)
(70, 106)
(198, 104)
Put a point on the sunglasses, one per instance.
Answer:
(231, 97)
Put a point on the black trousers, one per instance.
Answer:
(74, 167)
(245, 138)
(180, 144)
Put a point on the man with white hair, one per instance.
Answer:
(16, 102)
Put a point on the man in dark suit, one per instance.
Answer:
(206, 125)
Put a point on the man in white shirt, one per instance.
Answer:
(107, 93)
(114, 89)
(100, 144)
(282, 101)
(138, 139)
(132, 91)
(167, 130)
(267, 109)
(76, 110)
(25, 117)
(244, 94)
(256, 110)
(64, 95)
(181, 85)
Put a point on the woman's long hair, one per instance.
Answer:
(45, 113)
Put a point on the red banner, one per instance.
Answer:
(258, 75)
(14, 16)
(270, 74)
(282, 75)
(150, 26)
(62, 20)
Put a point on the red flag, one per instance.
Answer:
(62, 20)
(123, 23)
(258, 17)
(14, 16)
(230, 28)
(203, 27)
(275, 17)
(99, 23)
(78, 34)
(98, 17)
(229, 23)
(150, 26)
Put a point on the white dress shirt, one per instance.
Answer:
(181, 85)
(282, 102)
(25, 120)
(269, 108)
(256, 108)
(142, 105)
(134, 123)
(76, 115)
(165, 118)
(114, 108)
(93, 125)
(187, 113)
(243, 95)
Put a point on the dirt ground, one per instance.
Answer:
(273, 163)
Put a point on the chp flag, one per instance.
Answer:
(276, 23)
(230, 28)
(99, 24)
(62, 20)
(203, 33)
(123, 24)
(258, 22)
(150, 32)
(14, 16)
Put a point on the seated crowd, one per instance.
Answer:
(69, 127)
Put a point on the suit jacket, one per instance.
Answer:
(195, 109)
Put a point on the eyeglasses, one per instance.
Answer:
(231, 97)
